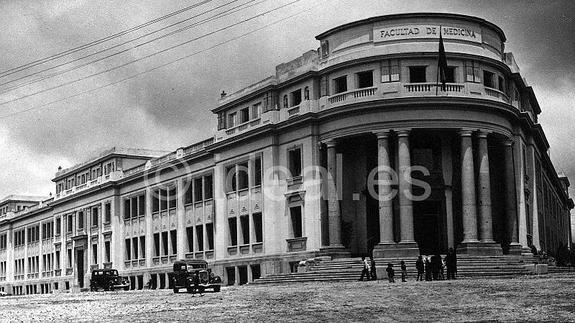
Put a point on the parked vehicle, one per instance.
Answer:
(195, 276)
(3, 293)
(108, 279)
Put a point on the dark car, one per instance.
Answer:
(194, 276)
(108, 279)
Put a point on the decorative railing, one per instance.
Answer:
(496, 94)
(355, 94)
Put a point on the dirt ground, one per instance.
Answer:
(550, 298)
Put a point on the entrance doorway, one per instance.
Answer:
(80, 266)
(429, 227)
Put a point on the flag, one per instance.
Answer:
(441, 63)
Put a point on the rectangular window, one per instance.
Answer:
(108, 212)
(340, 85)
(135, 247)
(296, 221)
(364, 79)
(209, 236)
(163, 199)
(142, 205)
(417, 74)
(295, 97)
(472, 72)
(95, 217)
(258, 228)
(245, 229)
(127, 209)
(134, 204)
(80, 220)
(231, 120)
(156, 201)
(230, 178)
(57, 260)
(94, 253)
(242, 176)
(450, 74)
(107, 248)
(69, 258)
(190, 236)
(173, 191)
(258, 171)
(128, 249)
(221, 120)
(198, 189)
(143, 246)
(488, 79)
(501, 83)
(245, 115)
(233, 238)
(174, 240)
(156, 244)
(200, 237)
(165, 244)
(294, 162)
(188, 197)
(256, 111)
(70, 222)
(208, 187)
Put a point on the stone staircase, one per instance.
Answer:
(561, 270)
(349, 269)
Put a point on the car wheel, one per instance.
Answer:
(126, 288)
(176, 290)
(190, 290)
(216, 288)
(111, 288)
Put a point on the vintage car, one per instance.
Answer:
(108, 279)
(195, 276)
(3, 293)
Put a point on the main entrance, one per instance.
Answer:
(80, 266)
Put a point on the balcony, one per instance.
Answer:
(113, 176)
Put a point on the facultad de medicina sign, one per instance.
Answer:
(426, 31)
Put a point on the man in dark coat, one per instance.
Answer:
(451, 263)
(427, 269)
(435, 266)
(420, 268)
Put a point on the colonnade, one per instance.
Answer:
(476, 203)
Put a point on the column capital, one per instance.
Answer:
(402, 132)
(483, 133)
(330, 143)
(382, 134)
(465, 132)
(508, 142)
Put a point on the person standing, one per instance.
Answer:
(373, 272)
(403, 271)
(435, 266)
(451, 263)
(390, 273)
(420, 268)
(365, 270)
(427, 269)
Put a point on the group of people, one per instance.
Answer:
(430, 268)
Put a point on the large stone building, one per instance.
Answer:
(289, 173)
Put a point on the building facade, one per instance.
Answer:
(350, 149)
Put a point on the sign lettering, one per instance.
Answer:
(382, 34)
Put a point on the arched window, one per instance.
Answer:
(306, 93)
(285, 101)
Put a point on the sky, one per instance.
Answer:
(169, 107)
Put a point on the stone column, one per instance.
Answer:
(468, 189)
(531, 157)
(405, 203)
(485, 221)
(510, 198)
(334, 214)
(149, 232)
(181, 218)
(384, 188)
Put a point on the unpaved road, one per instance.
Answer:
(549, 298)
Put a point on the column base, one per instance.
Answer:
(515, 248)
(480, 249)
(336, 251)
(396, 250)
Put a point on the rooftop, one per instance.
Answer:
(23, 198)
